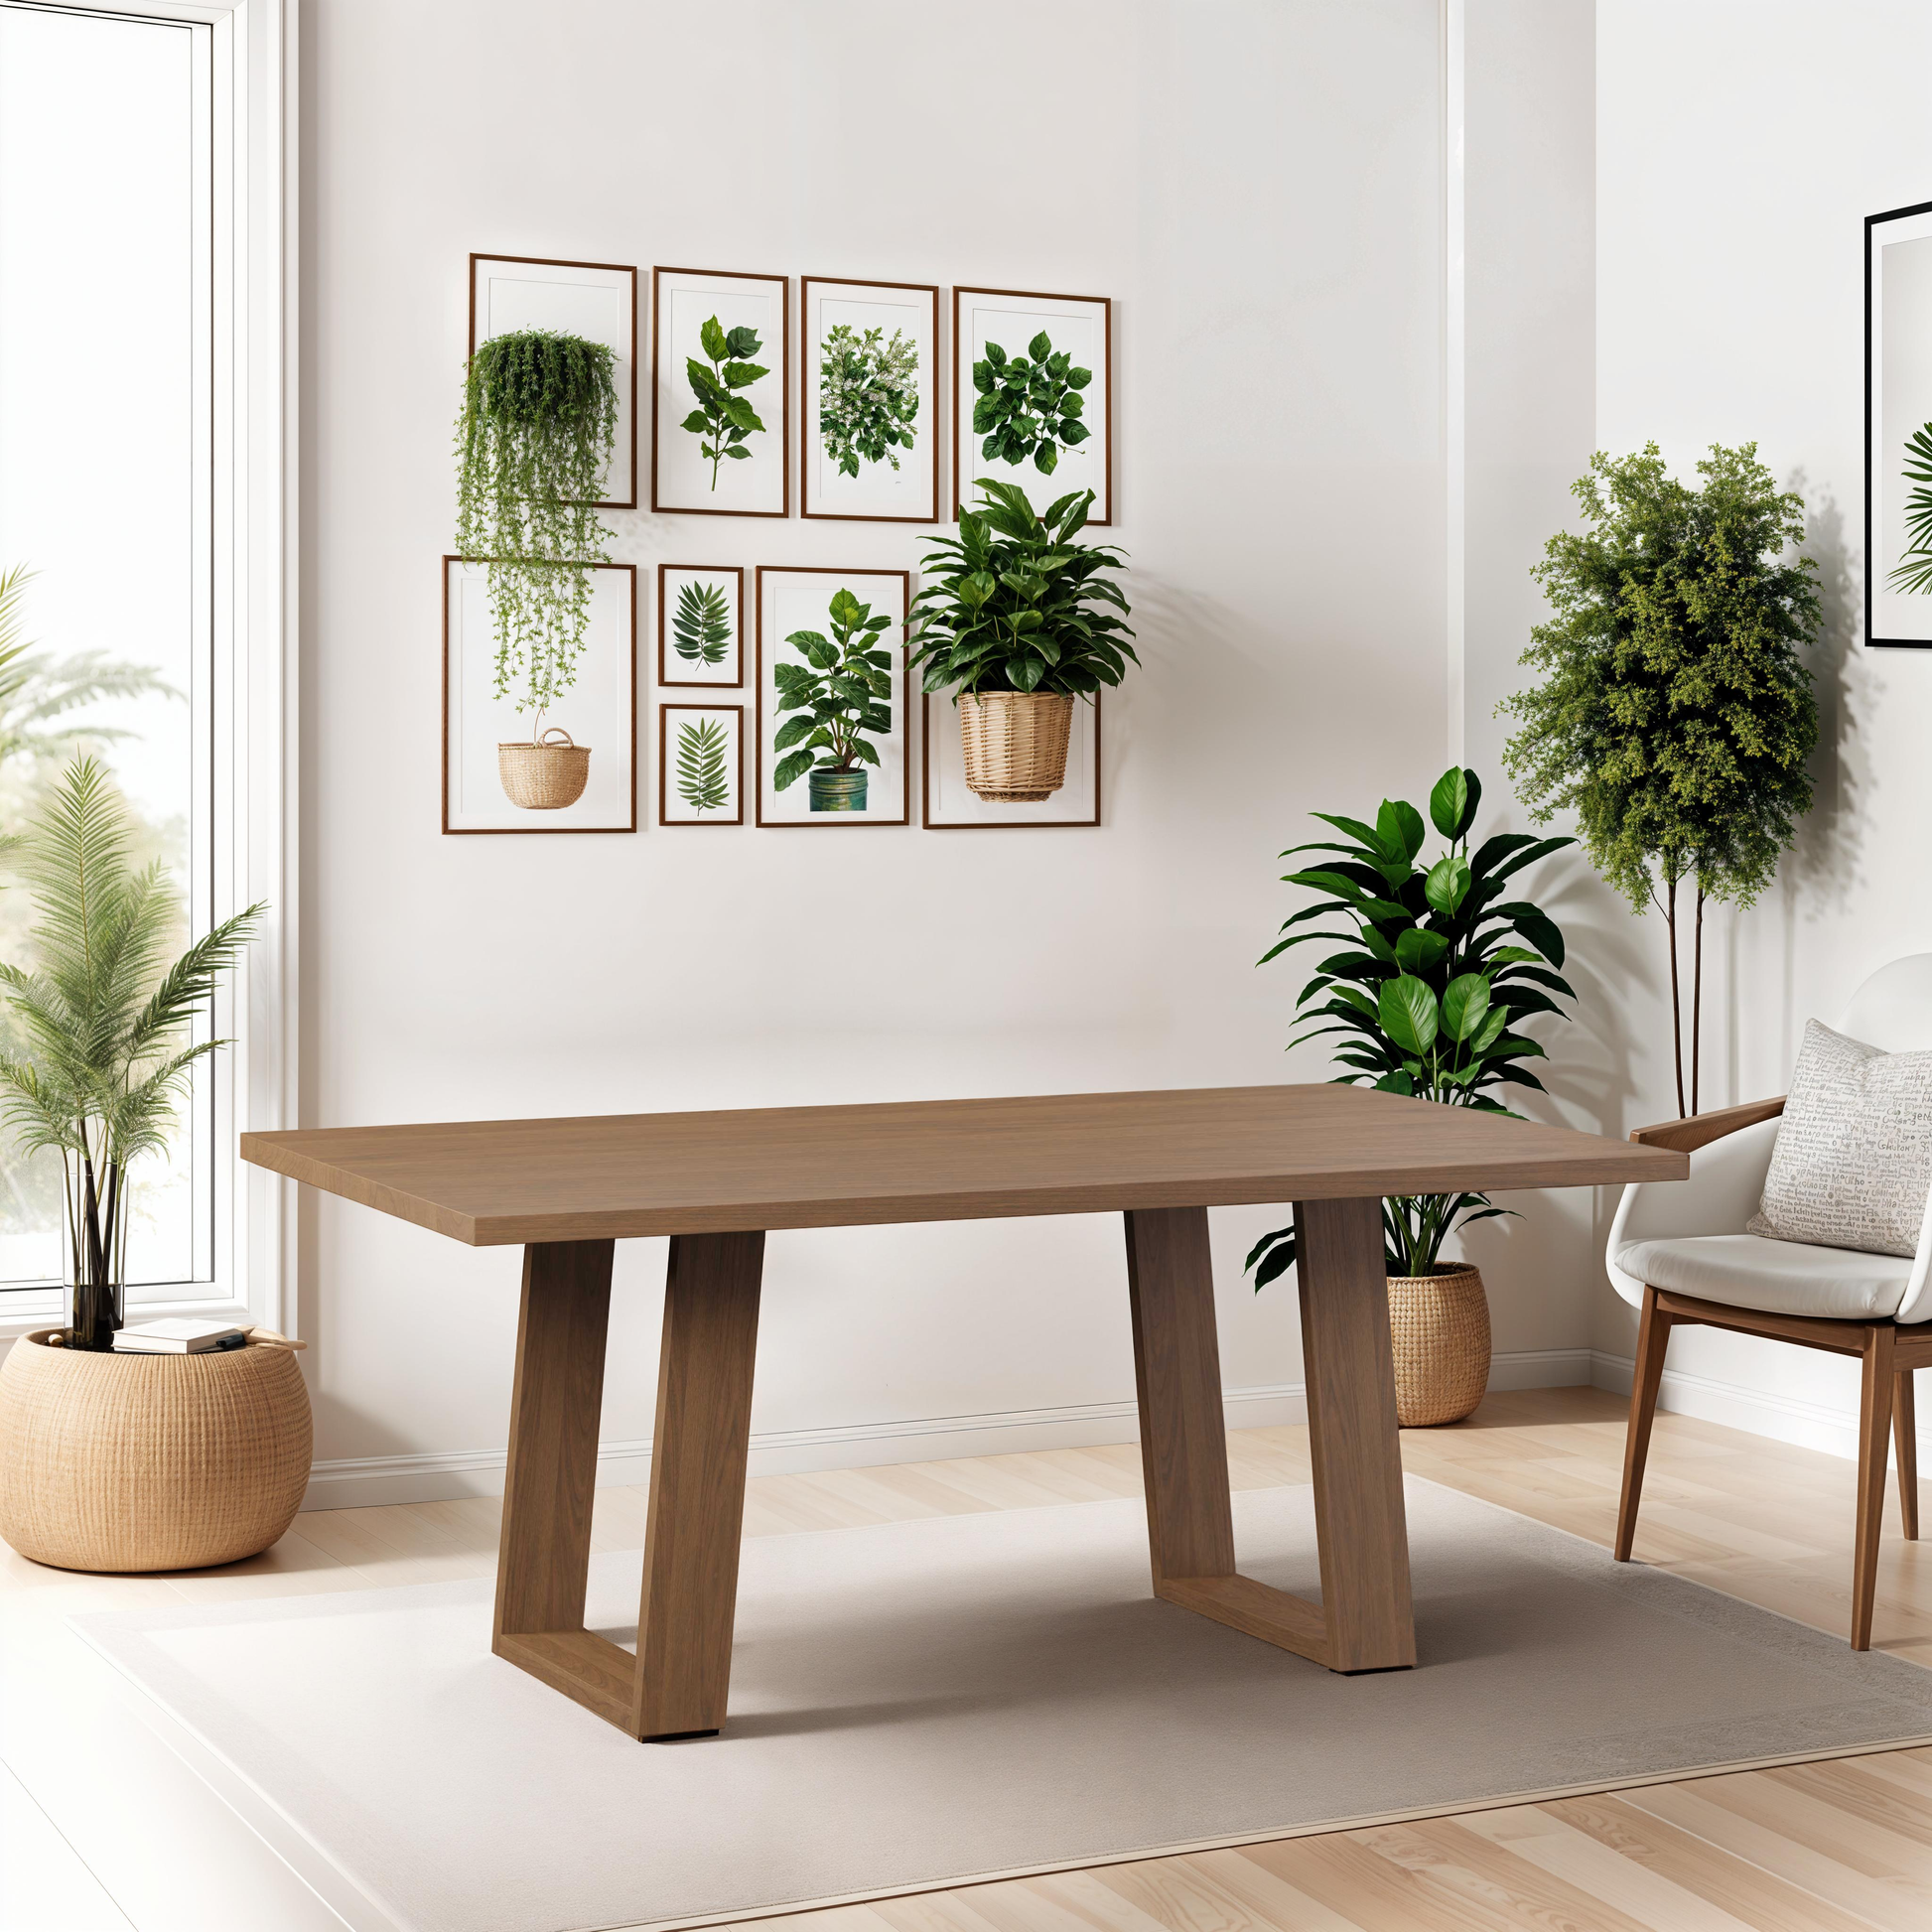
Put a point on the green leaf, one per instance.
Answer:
(1408, 1012)
(791, 732)
(1041, 346)
(742, 342)
(995, 355)
(1419, 950)
(741, 375)
(1447, 881)
(1400, 829)
(712, 336)
(1449, 800)
(790, 770)
(1465, 1006)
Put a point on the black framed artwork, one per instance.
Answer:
(1898, 428)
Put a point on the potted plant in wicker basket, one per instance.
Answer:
(1437, 974)
(107, 1461)
(534, 440)
(1015, 625)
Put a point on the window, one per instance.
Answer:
(131, 413)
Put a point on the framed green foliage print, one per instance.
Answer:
(1033, 381)
(701, 624)
(701, 765)
(719, 382)
(1899, 427)
(832, 720)
(868, 399)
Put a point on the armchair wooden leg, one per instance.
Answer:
(1653, 1337)
(1875, 1439)
(1904, 1428)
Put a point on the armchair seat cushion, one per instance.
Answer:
(1747, 1271)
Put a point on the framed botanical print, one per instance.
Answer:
(950, 803)
(832, 726)
(1033, 379)
(1899, 427)
(595, 300)
(700, 625)
(719, 382)
(869, 401)
(575, 769)
(701, 764)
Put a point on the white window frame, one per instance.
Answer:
(248, 760)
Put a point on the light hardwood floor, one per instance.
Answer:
(1843, 1846)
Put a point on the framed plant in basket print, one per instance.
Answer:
(1899, 427)
(870, 400)
(832, 724)
(1032, 378)
(719, 381)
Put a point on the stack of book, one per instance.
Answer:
(180, 1338)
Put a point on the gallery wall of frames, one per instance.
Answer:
(961, 689)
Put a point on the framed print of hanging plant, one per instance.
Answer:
(700, 765)
(700, 625)
(831, 697)
(596, 301)
(533, 444)
(1033, 394)
(868, 399)
(719, 381)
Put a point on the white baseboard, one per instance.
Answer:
(354, 1483)
(1783, 1418)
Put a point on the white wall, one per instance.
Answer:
(1739, 150)
(1259, 186)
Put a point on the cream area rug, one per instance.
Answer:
(970, 1697)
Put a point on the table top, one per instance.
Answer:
(495, 1182)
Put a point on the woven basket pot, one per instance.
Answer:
(541, 776)
(1440, 1325)
(1014, 743)
(112, 1462)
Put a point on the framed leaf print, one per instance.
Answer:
(700, 625)
(719, 382)
(1033, 379)
(832, 724)
(1899, 427)
(950, 804)
(597, 713)
(701, 765)
(595, 300)
(869, 401)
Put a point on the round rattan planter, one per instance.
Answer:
(1014, 743)
(542, 776)
(149, 1461)
(1440, 1325)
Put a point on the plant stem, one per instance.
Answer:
(1697, 996)
(1676, 1003)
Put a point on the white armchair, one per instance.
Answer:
(1678, 1251)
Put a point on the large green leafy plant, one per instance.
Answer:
(1675, 715)
(534, 440)
(1030, 405)
(1015, 604)
(722, 418)
(843, 691)
(867, 396)
(1437, 973)
(104, 1013)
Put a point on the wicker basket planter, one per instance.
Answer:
(150, 1462)
(541, 776)
(1014, 743)
(1440, 1325)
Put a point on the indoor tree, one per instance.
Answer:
(534, 440)
(1675, 714)
(1437, 973)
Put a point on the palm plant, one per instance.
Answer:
(702, 627)
(104, 1016)
(1914, 571)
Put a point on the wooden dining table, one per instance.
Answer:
(568, 1189)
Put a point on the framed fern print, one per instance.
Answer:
(1899, 427)
(868, 399)
(1032, 382)
(701, 624)
(701, 765)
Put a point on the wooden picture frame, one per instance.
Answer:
(472, 722)
(734, 660)
(1089, 325)
(881, 493)
(736, 760)
(574, 297)
(946, 805)
(793, 812)
(678, 475)
(1898, 403)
